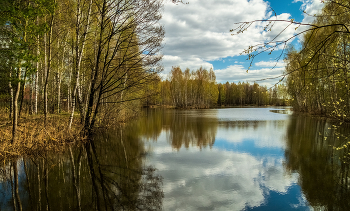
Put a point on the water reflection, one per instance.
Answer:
(106, 174)
(185, 128)
(241, 169)
(217, 159)
(257, 160)
(323, 177)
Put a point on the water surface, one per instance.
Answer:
(212, 159)
(246, 159)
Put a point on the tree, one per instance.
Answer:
(19, 32)
(177, 88)
(318, 73)
(111, 73)
(222, 94)
(46, 64)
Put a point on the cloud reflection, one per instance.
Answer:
(242, 168)
(222, 179)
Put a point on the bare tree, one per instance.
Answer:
(126, 56)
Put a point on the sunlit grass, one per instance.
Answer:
(34, 137)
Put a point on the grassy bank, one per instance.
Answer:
(34, 137)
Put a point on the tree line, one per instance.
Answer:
(199, 89)
(240, 94)
(77, 56)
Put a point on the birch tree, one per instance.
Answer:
(111, 74)
(19, 32)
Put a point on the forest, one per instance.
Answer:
(84, 64)
(87, 59)
(199, 89)
(75, 74)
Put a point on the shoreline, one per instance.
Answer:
(212, 107)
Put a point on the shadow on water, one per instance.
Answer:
(104, 174)
(324, 178)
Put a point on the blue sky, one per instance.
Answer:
(197, 34)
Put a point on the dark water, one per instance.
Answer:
(215, 159)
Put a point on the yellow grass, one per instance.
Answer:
(35, 138)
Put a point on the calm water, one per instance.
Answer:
(215, 159)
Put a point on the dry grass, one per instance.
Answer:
(35, 138)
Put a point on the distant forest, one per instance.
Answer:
(198, 89)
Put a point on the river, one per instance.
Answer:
(210, 159)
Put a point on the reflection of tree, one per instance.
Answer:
(104, 174)
(183, 127)
(323, 178)
(17, 204)
(151, 123)
(195, 130)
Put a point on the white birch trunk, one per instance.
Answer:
(11, 104)
(36, 86)
(79, 55)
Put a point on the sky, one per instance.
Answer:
(198, 34)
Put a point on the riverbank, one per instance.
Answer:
(34, 137)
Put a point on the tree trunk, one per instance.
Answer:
(22, 96)
(69, 91)
(45, 76)
(11, 103)
(78, 58)
(48, 65)
(15, 108)
(31, 110)
(36, 89)
(59, 80)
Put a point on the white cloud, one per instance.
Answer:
(281, 30)
(311, 7)
(270, 64)
(273, 134)
(190, 62)
(198, 32)
(238, 73)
